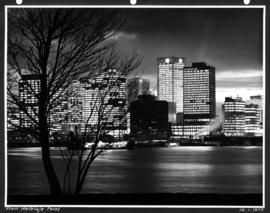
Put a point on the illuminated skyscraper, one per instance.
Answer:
(252, 119)
(199, 92)
(29, 86)
(104, 102)
(234, 117)
(170, 81)
(67, 113)
(199, 95)
(199, 101)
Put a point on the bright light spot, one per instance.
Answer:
(19, 1)
(133, 2)
(167, 60)
(180, 60)
(246, 2)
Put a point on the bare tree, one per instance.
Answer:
(106, 111)
(56, 46)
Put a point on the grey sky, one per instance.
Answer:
(229, 39)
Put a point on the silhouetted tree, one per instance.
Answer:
(106, 112)
(57, 46)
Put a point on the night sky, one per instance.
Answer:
(228, 39)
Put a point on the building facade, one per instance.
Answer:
(199, 93)
(187, 131)
(170, 80)
(66, 115)
(199, 99)
(104, 102)
(149, 118)
(29, 87)
(234, 117)
(252, 119)
(258, 100)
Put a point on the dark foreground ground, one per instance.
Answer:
(141, 199)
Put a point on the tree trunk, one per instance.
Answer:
(54, 184)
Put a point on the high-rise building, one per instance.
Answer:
(258, 100)
(68, 109)
(136, 87)
(234, 117)
(65, 106)
(252, 119)
(170, 80)
(149, 118)
(199, 96)
(104, 102)
(29, 87)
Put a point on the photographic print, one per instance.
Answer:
(135, 106)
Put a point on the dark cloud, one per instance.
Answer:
(229, 39)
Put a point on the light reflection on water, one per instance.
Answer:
(176, 169)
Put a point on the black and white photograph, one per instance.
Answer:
(136, 106)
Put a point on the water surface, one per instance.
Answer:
(148, 170)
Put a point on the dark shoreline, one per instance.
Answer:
(140, 199)
(33, 145)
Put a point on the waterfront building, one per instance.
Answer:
(199, 97)
(252, 119)
(104, 102)
(149, 118)
(80, 104)
(65, 107)
(187, 131)
(29, 87)
(58, 112)
(136, 87)
(68, 108)
(258, 100)
(170, 80)
(234, 117)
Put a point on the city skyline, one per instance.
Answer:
(84, 128)
(208, 35)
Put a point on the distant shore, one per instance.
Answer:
(26, 145)
(141, 199)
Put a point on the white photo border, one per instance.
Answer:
(136, 6)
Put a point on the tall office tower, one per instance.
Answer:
(104, 101)
(29, 86)
(234, 117)
(199, 95)
(136, 87)
(75, 105)
(67, 112)
(170, 81)
(57, 116)
(252, 119)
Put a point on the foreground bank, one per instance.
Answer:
(140, 199)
